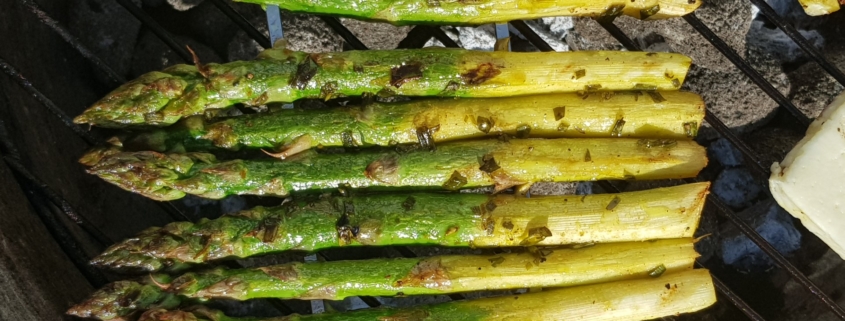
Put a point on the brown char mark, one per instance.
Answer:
(428, 273)
(488, 164)
(405, 73)
(480, 74)
(270, 226)
(285, 272)
(304, 72)
(425, 135)
(383, 170)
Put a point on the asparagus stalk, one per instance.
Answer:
(440, 274)
(281, 75)
(417, 276)
(630, 114)
(643, 299)
(502, 164)
(124, 298)
(416, 219)
(466, 12)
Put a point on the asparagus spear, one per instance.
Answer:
(416, 276)
(558, 115)
(453, 166)
(480, 12)
(416, 219)
(281, 75)
(644, 299)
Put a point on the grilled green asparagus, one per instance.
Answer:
(416, 219)
(644, 299)
(480, 12)
(543, 267)
(281, 75)
(287, 132)
(456, 165)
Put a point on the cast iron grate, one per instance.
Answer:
(49, 204)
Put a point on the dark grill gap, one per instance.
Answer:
(41, 196)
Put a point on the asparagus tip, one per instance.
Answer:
(119, 299)
(146, 173)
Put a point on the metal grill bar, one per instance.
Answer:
(60, 202)
(802, 42)
(344, 33)
(157, 29)
(749, 155)
(619, 35)
(416, 38)
(73, 42)
(746, 68)
(720, 287)
(12, 158)
(611, 188)
(532, 36)
(779, 259)
(735, 299)
(47, 214)
(419, 35)
(715, 201)
(711, 118)
(87, 136)
(66, 241)
(700, 27)
(443, 38)
(241, 22)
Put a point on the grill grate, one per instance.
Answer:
(49, 204)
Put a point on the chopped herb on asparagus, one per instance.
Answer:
(281, 75)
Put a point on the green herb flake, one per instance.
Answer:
(563, 126)
(409, 203)
(656, 96)
(559, 112)
(536, 235)
(488, 164)
(615, 201)
(652, 143)
(648, 12)
(657, 271)
(617, 128)
(455, 182)
(580, 73)
(691, 129)
(496, 261)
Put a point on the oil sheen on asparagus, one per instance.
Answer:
(639, 299)
(455, 165)
(480, 12)
(666, 114)
(281, 75)
(336, 280)
(416, 219)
